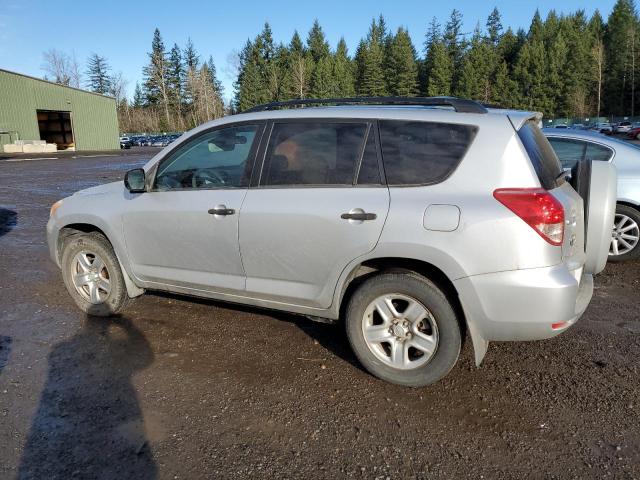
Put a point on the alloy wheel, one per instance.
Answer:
(400, 331)
(91, 277)
(625, 235)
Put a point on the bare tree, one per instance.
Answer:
(301, 76)
(61, 68)
(118, 87)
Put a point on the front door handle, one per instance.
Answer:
(221, 210)
(358, 216)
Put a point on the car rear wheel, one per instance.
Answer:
(625, 238)
(403, 329)
(92, 275)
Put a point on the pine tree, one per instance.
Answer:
(455, 43)
(619, 42)
(438, 65)
(155, 77)
(343, 71)
(317, 43)
(138, 97)
(322, 81)
(494, 27)
(440, 70)
(370, 63)
(191, 57)
(402, 70)
(98, 76)
(529, 72)
(478, 66)
(175, 84)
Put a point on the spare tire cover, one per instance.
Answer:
(600, 209)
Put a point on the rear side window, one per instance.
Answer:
(569, 152)
(543, 158)
(419, 153)
(598, 153)
(310, 153)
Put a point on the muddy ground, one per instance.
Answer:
(183, 388)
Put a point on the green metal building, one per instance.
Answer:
(35, 109)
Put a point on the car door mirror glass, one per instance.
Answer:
(134, 180)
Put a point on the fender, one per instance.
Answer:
(64, 221)
(415, 252)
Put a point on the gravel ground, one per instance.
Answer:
(184, 388)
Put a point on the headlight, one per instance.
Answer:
(55, 207)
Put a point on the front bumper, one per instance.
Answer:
(524, 304)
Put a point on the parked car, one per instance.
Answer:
(574, 147)
(578, 126)
(604, 127)
(634, 133)
(623, 127)
(561, 125)
(412, 224)
(125, 142)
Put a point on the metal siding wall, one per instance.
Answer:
(94, 117)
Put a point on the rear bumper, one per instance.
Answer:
(530, 304)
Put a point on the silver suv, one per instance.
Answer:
(416, 221)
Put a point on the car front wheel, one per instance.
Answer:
(92, 275)
(403, 329)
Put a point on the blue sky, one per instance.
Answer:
(122, 30)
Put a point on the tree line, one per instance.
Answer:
(568, 65)
(565, 65)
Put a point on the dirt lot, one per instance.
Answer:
(181, 388)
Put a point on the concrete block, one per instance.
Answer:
(12, 148)
(50, 147)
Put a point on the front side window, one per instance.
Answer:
(419, 153)
(216, 159)
(313, 153)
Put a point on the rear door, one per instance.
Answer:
(319, 203)
(549, 171)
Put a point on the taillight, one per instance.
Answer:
(538, 208)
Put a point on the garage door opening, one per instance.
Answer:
(55, 127)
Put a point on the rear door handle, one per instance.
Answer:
(221, 210)
(358, 216)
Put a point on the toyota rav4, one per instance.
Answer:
(416, 221)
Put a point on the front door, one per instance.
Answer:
(320, 204)
(185, 230)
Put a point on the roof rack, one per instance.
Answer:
(458, 104)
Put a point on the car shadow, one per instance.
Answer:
(5, 350)
(88, 423)
(331, 336)
(8, 220)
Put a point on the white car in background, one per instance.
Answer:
(572, 147)
(623, 127)
(604, 127)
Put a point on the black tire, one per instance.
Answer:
(117, 297)
(633, 214)
(435, 301)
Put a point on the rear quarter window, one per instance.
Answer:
(422, 153)
(542, 156)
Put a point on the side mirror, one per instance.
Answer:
(134, 180)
